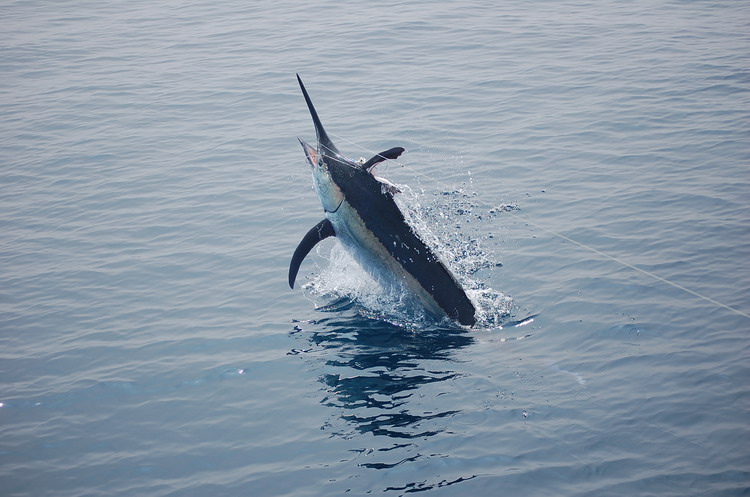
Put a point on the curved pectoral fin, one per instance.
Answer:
(319, 232)
(389, 154)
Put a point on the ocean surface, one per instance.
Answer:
(582, 167)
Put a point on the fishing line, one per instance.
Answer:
(568, 239)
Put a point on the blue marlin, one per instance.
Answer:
(360, 211)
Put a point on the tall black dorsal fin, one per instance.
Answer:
(390, 154)
(319, 232)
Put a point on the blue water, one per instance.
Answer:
(152, 191)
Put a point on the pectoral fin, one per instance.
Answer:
(319, 232)
(389, 154)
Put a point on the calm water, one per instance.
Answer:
(153, 190)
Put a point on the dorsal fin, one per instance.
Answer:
(319, 232)
(390, 154)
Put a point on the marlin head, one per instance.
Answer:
(329, 192)
(322, 160)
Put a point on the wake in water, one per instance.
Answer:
(456, 230)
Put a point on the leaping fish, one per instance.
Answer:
(360, 211)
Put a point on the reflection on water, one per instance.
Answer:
(389, 382)
(393, 391)
(379, 367)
